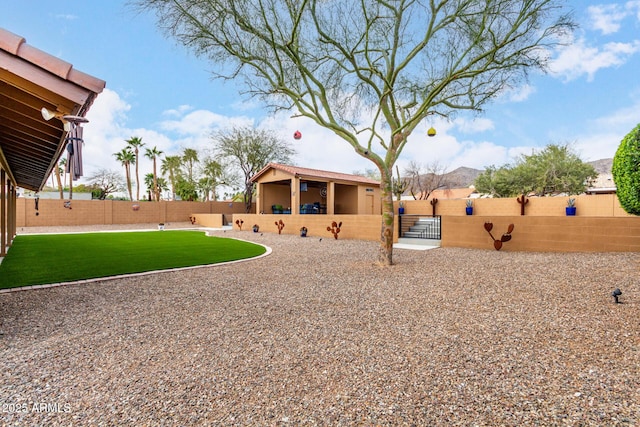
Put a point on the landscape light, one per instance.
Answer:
(615, 294)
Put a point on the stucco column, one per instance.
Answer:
(331, 198)
(258, 197)
(3, 212)
(11, 214)
(295, 195)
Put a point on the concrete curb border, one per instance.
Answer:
(144, 273)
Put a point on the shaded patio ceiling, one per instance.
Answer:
(31, 79)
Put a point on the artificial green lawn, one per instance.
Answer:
(55, 258)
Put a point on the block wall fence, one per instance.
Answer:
(604, 205)
(600, 224)
(105, 212)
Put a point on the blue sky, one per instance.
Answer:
(162, 93)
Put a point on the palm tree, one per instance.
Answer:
(126, 157)
(212, 177)
(189, 157)
(161, 184)
(135, 143)
(171, 166)
(153, 154)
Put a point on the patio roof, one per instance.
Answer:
(315, 174)
(30, 80)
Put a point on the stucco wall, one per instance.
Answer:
(538, 234)
(346, 199)
(90, 212)
(275, 195)
(587, 205)
(601, 225)
(544, 234)
(363, 227)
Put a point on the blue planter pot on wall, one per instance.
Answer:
(570, 210)
(469, 210)
(401, 211)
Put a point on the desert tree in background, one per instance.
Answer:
(370, 70)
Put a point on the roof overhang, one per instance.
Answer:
(30, 80)
(316, 175)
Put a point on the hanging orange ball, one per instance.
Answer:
(431, 131)
(297, 135)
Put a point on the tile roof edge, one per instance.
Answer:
(18, 46)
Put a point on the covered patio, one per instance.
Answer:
(285, 189)
(39, 96)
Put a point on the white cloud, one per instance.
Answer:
(447, 150)
(177, 112)
(246, 105)
(579, 59)
(606, 18)
(200, 122)
(634, 7)
(320, 148)
(602, 137)
(474, 125)
(519, 94)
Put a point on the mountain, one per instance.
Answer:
(602, 166)
(461, 177)
(464, 177)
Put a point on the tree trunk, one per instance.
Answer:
(156, 190)
(59, 179)
(137, 175)
(128, 174)
(248, 195)
(70, 184)
(385, 253)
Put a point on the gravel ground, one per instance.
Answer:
(317, 334)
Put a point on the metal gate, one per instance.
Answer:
(420, 227)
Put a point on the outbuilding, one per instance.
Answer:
(285, 189)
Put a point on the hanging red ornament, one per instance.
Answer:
(297, 135)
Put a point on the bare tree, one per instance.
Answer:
(106, 182)
(370, 70)
(250, 149)
(423, 180)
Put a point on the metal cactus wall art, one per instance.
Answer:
(523, 201)
(433, 203)
(239, 223)
(335, 229)
(497, 243)
(280, 226)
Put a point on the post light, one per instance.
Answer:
(615, 294)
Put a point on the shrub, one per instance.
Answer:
(626, 172)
